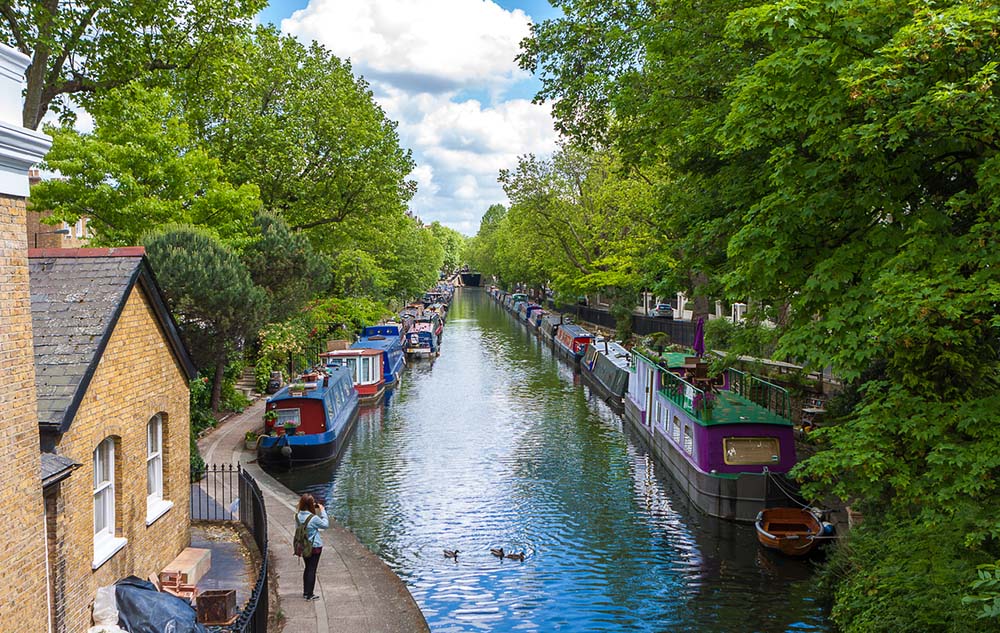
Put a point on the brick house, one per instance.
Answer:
(112, 397)
(94, 400)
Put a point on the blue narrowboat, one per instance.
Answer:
(421, 341)
(392, 355)
(312, 425)
(388, 330)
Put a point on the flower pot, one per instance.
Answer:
(251, 445)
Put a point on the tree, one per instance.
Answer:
(78, 49)
(452, 242)
(294, 121)
(139, 169)
(210, 293)
(284, 264)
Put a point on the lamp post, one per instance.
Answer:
(55, 232)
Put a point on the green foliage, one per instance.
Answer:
(284, 264)
(210, 293)
(140, 169)
(196, 464)
(880, 585)
(81, 49)
(987, 588)
(452, 242)
(201, 405)
(719, 334)
(295, 121)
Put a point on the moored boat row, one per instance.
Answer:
(309, 420)
(728, 438)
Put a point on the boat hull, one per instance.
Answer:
(292, 451)
(614, 400)
(734, 497)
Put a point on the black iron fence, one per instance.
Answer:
(680, 332)
(228, 493)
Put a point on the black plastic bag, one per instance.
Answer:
(143, 609)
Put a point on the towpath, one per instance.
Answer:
(358, 592)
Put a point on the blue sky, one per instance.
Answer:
(443, 69)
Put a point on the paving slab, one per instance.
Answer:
(358, 592)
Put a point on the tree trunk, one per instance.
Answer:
(698, 281)
(220, 373)
(31, 115)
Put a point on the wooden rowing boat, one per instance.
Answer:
(791, 531)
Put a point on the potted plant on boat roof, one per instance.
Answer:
(703, 404)
(297, 388)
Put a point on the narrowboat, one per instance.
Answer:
(791, 531)
(605, 368)
(366, 367)
(518, 296)
(526, 310)
(435, 322)
(392, 355)
(389, 329)
(723, 439)
(571, 342)
(311, 426)
(421, 341)
(549, 326)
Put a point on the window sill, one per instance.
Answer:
(156, 509)
(105, 548)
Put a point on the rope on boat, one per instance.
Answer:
(784, 491)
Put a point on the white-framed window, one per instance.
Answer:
(106, 543)
(675, 430)
(366, 372)
(688, 439)
(288, 416)
(156, 505)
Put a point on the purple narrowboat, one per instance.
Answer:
(724, 439)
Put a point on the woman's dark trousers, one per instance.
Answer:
(309, 575)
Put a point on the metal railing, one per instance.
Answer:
(680, 332)
(760, 392)
(228, 493)
(682, 393)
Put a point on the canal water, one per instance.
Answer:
(498, 444)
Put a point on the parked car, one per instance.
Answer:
(663, 311)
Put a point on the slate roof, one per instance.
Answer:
(77, 296)
(55, 468)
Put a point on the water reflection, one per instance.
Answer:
(498, 445)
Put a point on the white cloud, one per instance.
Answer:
(418, 45)
(420, 57)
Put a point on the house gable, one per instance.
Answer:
(77, 297)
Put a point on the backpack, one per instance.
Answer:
(303, 546)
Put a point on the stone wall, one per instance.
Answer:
(137, 378)
(22, 512)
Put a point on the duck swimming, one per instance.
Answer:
(517, 556)
(497, 551)
(451, 553)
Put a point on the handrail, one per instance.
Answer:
(682, 393)
(772, 397)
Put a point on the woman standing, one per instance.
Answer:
(313, 516)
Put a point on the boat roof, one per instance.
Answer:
(377, 342)
(422, 326)
(732, 408)
(613, 351)
(356, 351)
(575, 330)
(337, 375)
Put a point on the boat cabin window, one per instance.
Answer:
(288, 417)
(675, 430)
(688, 439)
(751, 451)
(366, 369)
